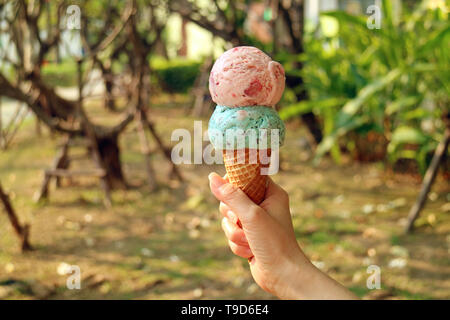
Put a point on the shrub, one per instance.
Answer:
(391, 82)
(175, 75)
(62, 74)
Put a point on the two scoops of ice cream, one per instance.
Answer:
(245, 83)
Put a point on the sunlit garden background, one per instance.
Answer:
(87, 179)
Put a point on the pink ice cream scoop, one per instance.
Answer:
(246, 76)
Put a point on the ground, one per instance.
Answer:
(168, 244)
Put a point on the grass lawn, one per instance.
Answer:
(168, 244)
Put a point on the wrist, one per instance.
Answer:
(308, 282)
(302, 272)
(305, 277)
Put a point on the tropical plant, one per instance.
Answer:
(392, 82)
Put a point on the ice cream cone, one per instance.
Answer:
(244, 171)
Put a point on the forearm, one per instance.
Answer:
(309, 283)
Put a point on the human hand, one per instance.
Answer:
(267, 236)
(267, 239)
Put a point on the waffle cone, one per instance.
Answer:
(244, 171)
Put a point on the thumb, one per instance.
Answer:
(252, 216)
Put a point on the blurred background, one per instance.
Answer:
(91, 91)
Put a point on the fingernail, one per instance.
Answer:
(215, 180)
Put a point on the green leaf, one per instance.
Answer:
(296, 109)
(328, 142)
(422, 155)
(401, 103)
(408, 135)
(308, 106)
(438, 39)
(418, 113)
(346, 18)
(354, 105)
(405, 134)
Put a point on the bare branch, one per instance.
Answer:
(218, 28)
(110, 38)
(10, 91)
(129, 117)
(220, 11)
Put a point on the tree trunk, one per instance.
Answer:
(109, 98)
(182, 52)
(109, 152)
(108, 81)
(309, 118)
(313, 125)
(293, 17)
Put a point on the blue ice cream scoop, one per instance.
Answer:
(254, 127)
